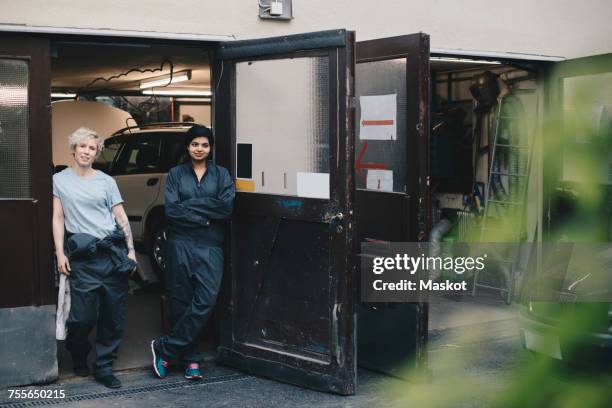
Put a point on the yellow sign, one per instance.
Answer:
(245, 185)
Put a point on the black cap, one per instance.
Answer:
(198, 131)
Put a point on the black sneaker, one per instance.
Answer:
(109, 381)
(81, 369)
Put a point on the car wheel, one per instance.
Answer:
(157, 251)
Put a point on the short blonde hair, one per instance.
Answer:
(85, 133)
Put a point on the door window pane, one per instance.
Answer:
(15, 177)
(587, 122)
(282, 126)
(106, 158)
(380, 158)
(173, 151)
(581, 202)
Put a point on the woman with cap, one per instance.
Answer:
(199, 196)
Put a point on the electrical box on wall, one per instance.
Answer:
(275, 9)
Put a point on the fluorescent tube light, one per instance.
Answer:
(164, 80)
(63, 95)
(465, 60)
(187, 100)
(176, 92)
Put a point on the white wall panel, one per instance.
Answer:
(551, 27)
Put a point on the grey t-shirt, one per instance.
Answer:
(87, 201)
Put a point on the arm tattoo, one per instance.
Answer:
(127, 231)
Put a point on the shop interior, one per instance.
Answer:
(483, 122)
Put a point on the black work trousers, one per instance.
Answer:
(98, 296)
(193, 278)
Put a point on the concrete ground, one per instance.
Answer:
(473, 352)
(228, 388)
(486, 306)
(468, 365)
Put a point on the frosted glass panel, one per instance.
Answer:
(587, 120)
(15, 179)
(282, 126)
(381, 164)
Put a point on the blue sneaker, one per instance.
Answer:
(159, 365)
(192, 372)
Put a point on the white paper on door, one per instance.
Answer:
(313, 185)
(380, 180)
(378, 117)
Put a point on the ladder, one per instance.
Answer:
(506, 190)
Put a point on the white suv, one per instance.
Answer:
(138, 158)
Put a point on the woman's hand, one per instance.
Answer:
(63, 265)
(132, 255)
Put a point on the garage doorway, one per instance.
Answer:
(134, 95)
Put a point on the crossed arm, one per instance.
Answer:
(216, 208)
(197, 212)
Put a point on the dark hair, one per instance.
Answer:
(198, 131)
(192, 133)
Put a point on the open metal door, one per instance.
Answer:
(392, 181)
(284, 128)
(578, 122)
(576, 164)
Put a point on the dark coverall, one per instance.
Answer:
(194, 257)
(98, 293)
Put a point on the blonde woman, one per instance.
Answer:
(94, 247)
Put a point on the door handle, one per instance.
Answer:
(152, 181)
(336, 222)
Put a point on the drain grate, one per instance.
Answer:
(128, 391)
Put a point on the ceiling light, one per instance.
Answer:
(176, 92)
(465, 60)
(164, 80)
(188, 100)
(63, 95)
